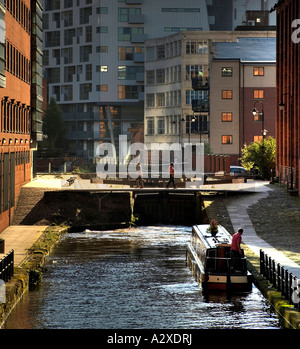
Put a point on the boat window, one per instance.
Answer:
(211, 261)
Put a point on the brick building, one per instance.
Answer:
(288, 92)
(240, 81)
(20, 96)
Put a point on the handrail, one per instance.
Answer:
(7, 266)
(226, 258)
(281, 278)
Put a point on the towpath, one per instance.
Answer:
(238, 208)
(20, 238)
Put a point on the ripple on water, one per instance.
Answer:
(133, 278)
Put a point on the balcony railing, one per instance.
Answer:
(199, 83)
(199, 105)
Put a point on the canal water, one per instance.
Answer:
(134, 278)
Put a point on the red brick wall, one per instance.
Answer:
(249, 128)
(18, 91)
(288, 88)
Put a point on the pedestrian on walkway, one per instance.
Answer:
(139, 181)
(236, 252)
(172, 174)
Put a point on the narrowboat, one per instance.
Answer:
(208, 256)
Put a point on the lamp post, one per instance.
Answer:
(256, 113)
(281, 106)
(263, 131)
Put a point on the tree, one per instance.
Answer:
(260, 155)
(53, 125)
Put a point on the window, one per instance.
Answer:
(102, 10)
(85, 52)
(88, 72)
(124, 34)
(160, 52)
(102, 49)
(226, 117)
(193, 71)
(150, 77)
(88, 34)
(126, 53)
(129, 72)
(124, 13)
(150, 126)
(227, 71)
(258, 94)
(69, 71)
(128, 92)
(67, 18)
(160, 99)
(200, 95)
(257, 138)
(150, 53)
(85, 14)
(85, 89)
(150, 100)
(258, 71)
(226, 139)
(160, 76)
(161, 125)
(102, 30)
(52, 39)
(196, 47)
(227, 94)
(102, 88)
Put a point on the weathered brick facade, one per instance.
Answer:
(288, 91)
(15, 108)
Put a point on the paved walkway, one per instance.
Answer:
(20, 238)
(237, 210)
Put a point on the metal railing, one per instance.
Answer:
(281, 279)
(7, 266)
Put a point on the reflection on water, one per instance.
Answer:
(135, 278)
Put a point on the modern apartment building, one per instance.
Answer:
(94, 58)
(288, 93)
(200, 85)
(21, 98)
(242, 78)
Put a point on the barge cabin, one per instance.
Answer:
(210, 261)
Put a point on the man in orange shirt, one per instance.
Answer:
(172, 173)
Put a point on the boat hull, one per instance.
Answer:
(235, 282)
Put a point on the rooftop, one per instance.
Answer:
(252, 49)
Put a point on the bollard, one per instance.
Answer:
(2, 246)
(278, 278)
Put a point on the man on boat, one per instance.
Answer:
(236, 252)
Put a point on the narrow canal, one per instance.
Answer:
(132, 279)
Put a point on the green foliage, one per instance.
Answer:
(53, 125)
(261, 156)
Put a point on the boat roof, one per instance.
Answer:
(222, 237)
